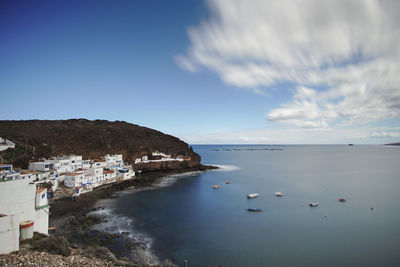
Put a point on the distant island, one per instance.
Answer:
(393, 144)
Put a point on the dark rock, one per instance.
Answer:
(56, 245)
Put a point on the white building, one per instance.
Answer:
(94, 176)
(18, 205)
(7, 173)
(82, 175)
(75, 179)
(161, 154)
(6, 144)
(109, 176)
(86, 164)
(98, 164)
(114, 159)
(68, 163)
(28, 175)
(44, 166)
(126, 173)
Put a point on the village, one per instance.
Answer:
(25, 193)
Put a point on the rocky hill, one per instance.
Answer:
(36, 139)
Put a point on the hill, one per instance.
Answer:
(36, 139)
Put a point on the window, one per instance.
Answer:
(43, 195)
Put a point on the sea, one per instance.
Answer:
(182, 217)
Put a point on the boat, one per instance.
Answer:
(341, 199)
(216, 186)
(313, 204)
(278, 194)
(228, 182)
(253, 195)
(255, 209)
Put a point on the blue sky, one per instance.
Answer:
(207, 72)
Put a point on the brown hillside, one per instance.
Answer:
(36, 139)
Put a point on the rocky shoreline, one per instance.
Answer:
(73, 219)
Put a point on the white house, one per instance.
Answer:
(27, 174)
(64, 164)
(126, 173)
(109, 176)
(95, 175)
(85, 164)
(76, 161)
(11, 176)
(161, 154)
(43, 166)
(6, 144)
(98, 164)
(7, 173)
(68, 163)
(75, 179)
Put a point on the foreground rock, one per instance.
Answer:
(28, 257)
(32, 254)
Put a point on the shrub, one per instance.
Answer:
(56, 245)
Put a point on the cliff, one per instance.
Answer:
(37, 139)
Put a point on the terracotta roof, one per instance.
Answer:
(26, 172)
(109, 171)
(40, 190)
(72, 174)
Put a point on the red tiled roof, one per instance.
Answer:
(108, 171)
(26, 172)
(72, 174)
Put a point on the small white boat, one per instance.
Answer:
(313, 204)
(252, 195)
(278, 194)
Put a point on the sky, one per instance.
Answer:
(208, 72)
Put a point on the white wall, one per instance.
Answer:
(18, 196)
(9, 233)
(41, 221)
(41, 199)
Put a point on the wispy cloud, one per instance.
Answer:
(342, 57)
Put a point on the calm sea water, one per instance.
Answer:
(191, 220)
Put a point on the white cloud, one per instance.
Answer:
(341, 56)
